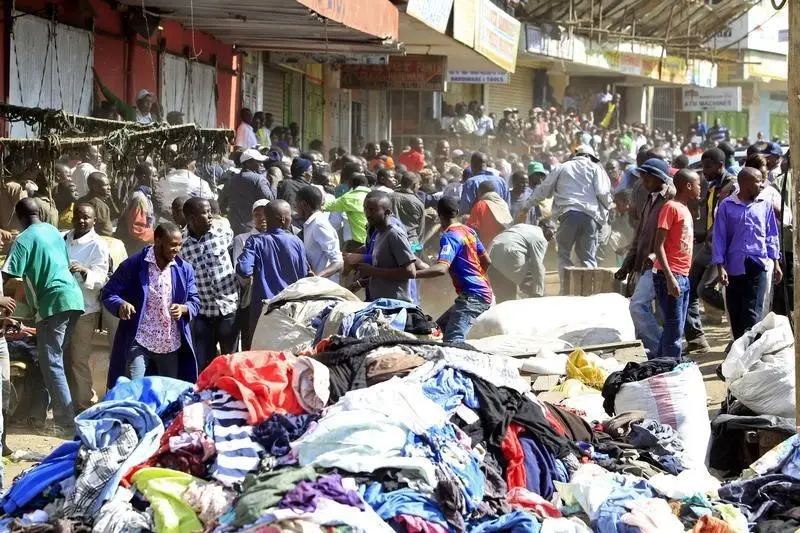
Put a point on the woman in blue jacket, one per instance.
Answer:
(153, 293)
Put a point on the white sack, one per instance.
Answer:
(578, 320)
(760, 370)
(678, 399)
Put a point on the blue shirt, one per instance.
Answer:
(743, 231)
(734, 168)
(461, 251)
(518, 203)
(469, 193)
(275, 260)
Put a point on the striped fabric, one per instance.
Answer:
(237, 452)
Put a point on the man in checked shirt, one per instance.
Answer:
(206, 247)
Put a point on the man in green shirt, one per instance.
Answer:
(40, 257)
(351, 204)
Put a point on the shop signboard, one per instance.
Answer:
(497, 35)
(379, 18)
(477, 76)
(434, 13)
(712, 99)
(464, 21)
(410, 73)
(630, 64)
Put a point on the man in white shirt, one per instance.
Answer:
(245, 135)
(90, 163)
(319, 237)
(180, 181)
(89, 263)
(581, 194)
(484, 123)
(144, 102)
(245, 284)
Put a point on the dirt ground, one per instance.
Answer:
(436, 296)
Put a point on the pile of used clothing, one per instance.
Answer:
(378, 434)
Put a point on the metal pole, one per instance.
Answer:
(794, 138)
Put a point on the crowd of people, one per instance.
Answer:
(182, 266)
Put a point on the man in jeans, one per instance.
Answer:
(206, 246)
(701, 280)
(39, 255)
(674, 241)
(464, 257)
(582, 198)
(154, 295)
(746, 244)
(654, 174)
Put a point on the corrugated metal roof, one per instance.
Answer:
(680, 25)
(281, 25)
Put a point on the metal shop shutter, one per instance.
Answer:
(273, 94)
(518, 93)
(51, 67)
(191, 88)
(664, 108)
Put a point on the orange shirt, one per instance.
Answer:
(413, 160)
(482, 220)
(677, 220)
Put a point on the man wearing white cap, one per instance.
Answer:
(243, 189)
(144, 101)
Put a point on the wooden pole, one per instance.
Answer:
(794, 139)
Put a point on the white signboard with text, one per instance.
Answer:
(716, 99)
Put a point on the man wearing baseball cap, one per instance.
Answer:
(243, 189)
(654, 175)
(773, 154)
(144, 102)
(582, 197)
(301, 171)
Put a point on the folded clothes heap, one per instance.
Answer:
(380, 434)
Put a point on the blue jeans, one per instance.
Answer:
(457, 321)
(580, 231)
(641, 308)
(674, 311)
(139, 358)
(52, 336)
(208, 331)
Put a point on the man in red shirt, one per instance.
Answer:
(414, 158)
(673, 248)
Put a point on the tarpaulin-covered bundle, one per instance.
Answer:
(379, 434)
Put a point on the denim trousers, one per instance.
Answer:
(140, 358)
(52, 337)
(579, 231)
(674, 311)
(457, 321)
(744, 297)
(208, 331)
(644, 319)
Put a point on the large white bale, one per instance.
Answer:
(579, 320)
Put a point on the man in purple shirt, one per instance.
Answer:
(745, 246)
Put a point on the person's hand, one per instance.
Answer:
(176, 311)
(723, 276)
(364, 270)
(672, 286)
(777, 275)
(5, 236)
(75, 267)
(8, 305)
(126, 311)
(621, 274)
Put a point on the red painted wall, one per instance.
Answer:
(111, 49)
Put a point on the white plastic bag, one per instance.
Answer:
(678, 399)
(578, 320)
(759, 368)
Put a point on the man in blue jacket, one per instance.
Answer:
(154, 295)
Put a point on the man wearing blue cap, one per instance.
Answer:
(582, 199)
(302, 169)
(654, 174)
(773, 154)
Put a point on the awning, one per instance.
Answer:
(355, 26)
(419, 38)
